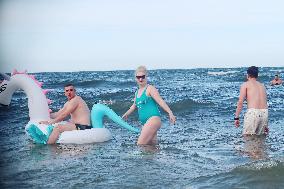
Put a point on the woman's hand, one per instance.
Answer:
(125, 116)
(172, 118)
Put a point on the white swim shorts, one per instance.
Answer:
(255, 121)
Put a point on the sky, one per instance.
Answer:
(98, 35)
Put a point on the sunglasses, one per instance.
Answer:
(69, 90)
(140, 77)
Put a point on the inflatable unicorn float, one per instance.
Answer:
(39, 110)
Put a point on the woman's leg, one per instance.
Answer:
(57, 130)
(149, 131)
(155, 139)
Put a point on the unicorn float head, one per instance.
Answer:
(37, 100)
(39, 110)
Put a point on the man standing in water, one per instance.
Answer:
(256, 117)
(77, 108)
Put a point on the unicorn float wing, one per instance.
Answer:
(39, 110)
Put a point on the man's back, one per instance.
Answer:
(256, 95)
(256, 117)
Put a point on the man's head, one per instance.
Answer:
(252, 72)
(69, 91)
(276, 76)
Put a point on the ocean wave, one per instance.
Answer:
(264, 165)
(277, 70)
(221, 73)
(88, 83)
(114, 101)
(188, 104)
(263, 174)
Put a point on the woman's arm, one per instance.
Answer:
(129, 111)
(156, 96)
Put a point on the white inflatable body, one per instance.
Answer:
(39, 110)
(94, 135)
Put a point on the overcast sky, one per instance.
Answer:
(80, 35)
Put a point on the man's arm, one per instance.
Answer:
(243, 94)
(70, 107)
(66, 111)
(55, 114)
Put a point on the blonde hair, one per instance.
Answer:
(141, 69)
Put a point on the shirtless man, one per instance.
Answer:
(77, 108)
(256, 117)
(276, 80)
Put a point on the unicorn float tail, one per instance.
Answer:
(100, 110)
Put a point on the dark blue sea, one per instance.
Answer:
(203, 149)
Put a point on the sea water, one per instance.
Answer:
(202, 150)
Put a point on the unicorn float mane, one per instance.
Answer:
(37, 100)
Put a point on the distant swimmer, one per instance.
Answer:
(276, 80)
(147, 99)
(256, 117)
